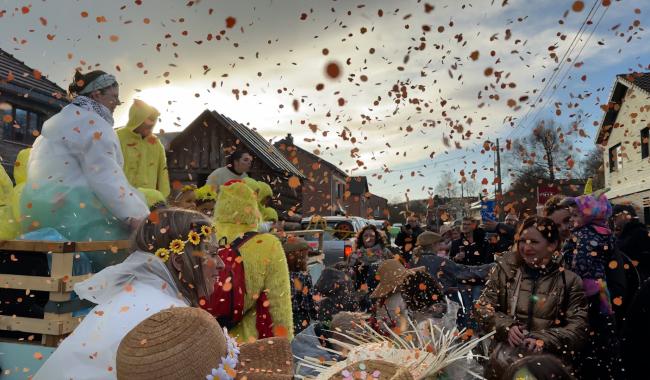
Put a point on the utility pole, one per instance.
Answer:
(499, 194)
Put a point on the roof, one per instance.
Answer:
(622, 83)
(288, 141)
(261, 148)
(167, 138)
(23, 76)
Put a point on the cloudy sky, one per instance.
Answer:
(422, 85)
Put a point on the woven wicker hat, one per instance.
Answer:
(187, 343)
(376, 369)
(266, 359)
(176, 343)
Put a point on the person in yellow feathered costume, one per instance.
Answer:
(265, 264)
(264, 194)
(145, 163)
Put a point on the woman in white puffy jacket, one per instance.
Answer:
(75, 182)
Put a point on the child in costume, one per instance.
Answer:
(206, 198)
(266, 309)
(184, 197)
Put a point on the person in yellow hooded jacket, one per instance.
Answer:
(145, 163)
(20, 176)
(8, 226)
(265, 264)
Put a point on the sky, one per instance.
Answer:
(421, 86)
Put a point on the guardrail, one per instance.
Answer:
(57, 319)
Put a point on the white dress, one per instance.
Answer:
(126, 294)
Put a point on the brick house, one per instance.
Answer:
(27, 99)
(204, 145)
(328, 190)
(323, 191)
(624, 133)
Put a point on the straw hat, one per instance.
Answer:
(428, 238)
(377, 369)
(391, 275)
(266, 359)
(188, 343)
(176, 343)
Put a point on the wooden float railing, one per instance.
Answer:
(58, 320)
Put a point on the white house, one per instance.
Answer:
(623, 133)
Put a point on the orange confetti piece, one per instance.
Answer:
(280, 331)
(114, 38)
(99, 313)
(294, 182)
(38, 356)
(618, 301)
(227, 286)
(124, 309)
(97, 135)
(51, 36)
(24, 10)
(230, 22)
(578, 6)
(84, 14)
(333, 70)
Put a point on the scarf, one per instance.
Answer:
(91, 105)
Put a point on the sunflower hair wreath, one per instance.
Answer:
(177, 245)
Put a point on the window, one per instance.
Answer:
(615, 158)
(645, 144)
(19, 124)
(340, 190)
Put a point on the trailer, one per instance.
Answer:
(38, 307)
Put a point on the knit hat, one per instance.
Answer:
(188, 343)
(428, 238)
(391, 274)
(237, 204)
(295, 244)
(205, 193)
(153, 197)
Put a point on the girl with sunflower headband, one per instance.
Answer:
(174, 263)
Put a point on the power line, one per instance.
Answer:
(557, 69)
(574, 60)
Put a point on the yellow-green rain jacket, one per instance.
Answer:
(145, 164)
(8, 226)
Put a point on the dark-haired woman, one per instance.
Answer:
(531, 301)
(370, 250)
(75, 182)
(239, 163)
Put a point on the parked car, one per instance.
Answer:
(338, 236)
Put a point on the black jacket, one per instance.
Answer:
(476, 253)
(406, 241)
(634, 242)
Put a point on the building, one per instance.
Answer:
(27, 99)
(328, 190)
(204, 145)
(624, 133)
(323, 192)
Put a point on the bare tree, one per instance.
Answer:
(592, 166)
(545, 151)
(447, 185)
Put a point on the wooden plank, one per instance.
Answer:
(38, 326)
(38, 246)
(46, 284)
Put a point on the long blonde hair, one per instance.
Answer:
(165, 225)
